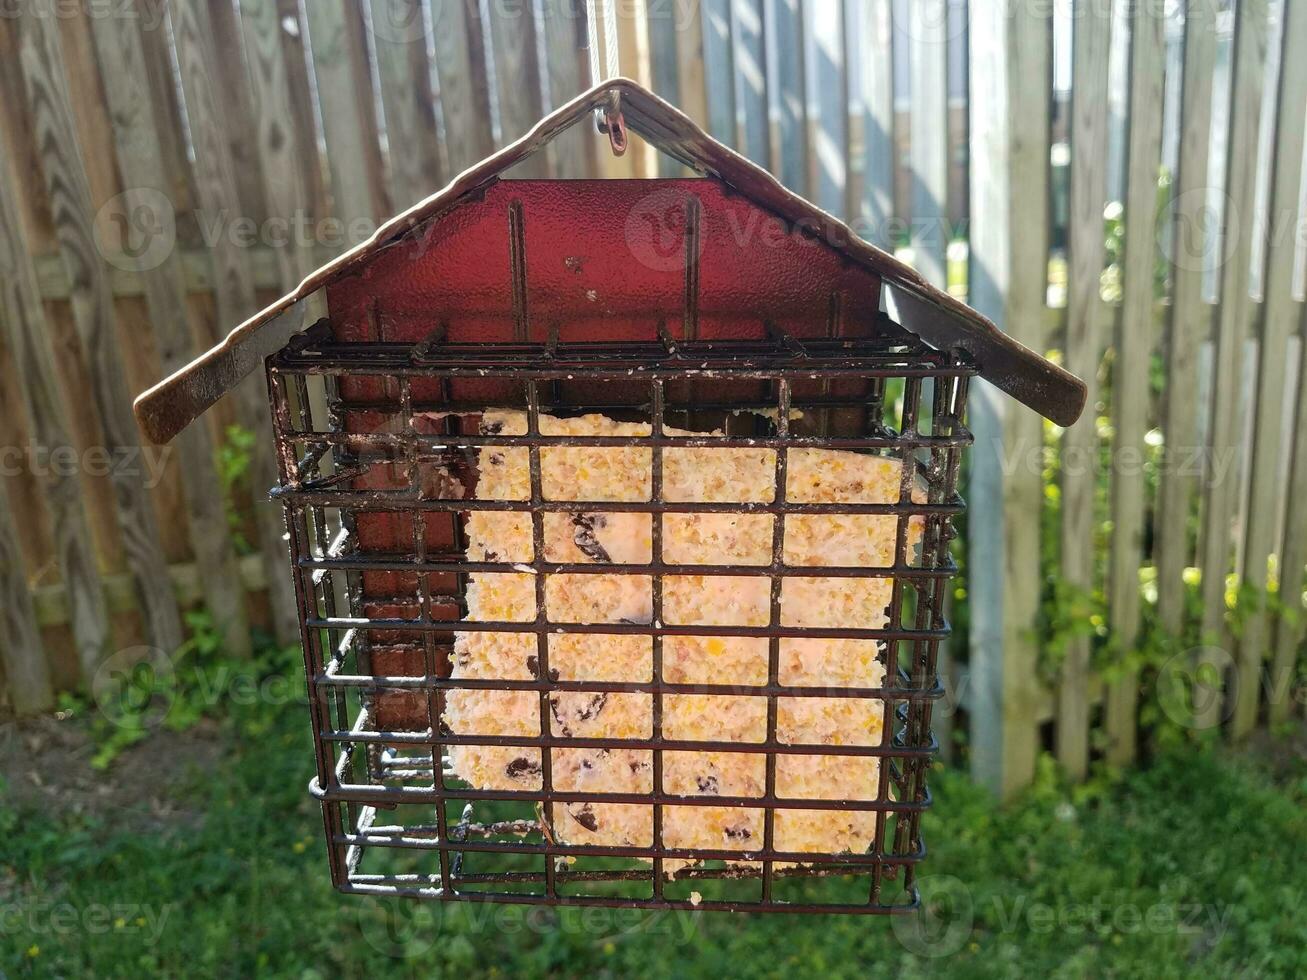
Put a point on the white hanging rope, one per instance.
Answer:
(592, 40)
(610, 36)
(601, 18)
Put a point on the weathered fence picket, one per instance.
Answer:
(1282, 318)
(1130, 368)
(1082, 351)
(1233, 318)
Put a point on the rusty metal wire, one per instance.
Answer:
(380, 565)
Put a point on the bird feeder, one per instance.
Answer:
(619, 517)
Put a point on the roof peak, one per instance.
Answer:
(173, 403)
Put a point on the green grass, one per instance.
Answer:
(1193, 866)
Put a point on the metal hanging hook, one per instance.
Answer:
(612, 122)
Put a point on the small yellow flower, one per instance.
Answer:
(33, 951)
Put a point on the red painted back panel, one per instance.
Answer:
(604, 259)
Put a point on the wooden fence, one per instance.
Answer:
(168, 167)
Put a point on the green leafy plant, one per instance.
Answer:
(234, 455)
(198, 681)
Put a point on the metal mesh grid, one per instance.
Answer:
(378, 445)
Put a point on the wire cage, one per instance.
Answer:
(387, 454)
